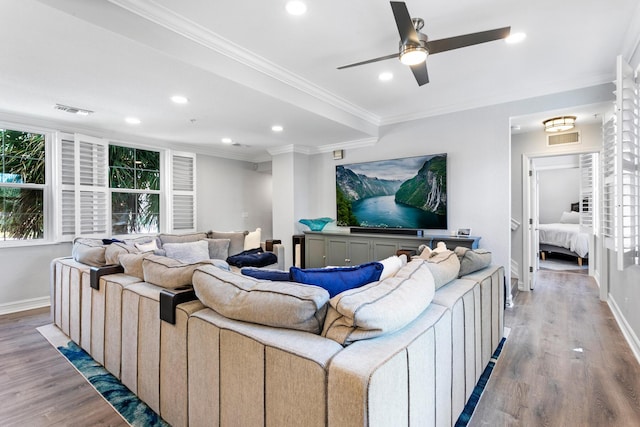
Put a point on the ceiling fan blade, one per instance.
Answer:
(382, 58)
(404, 23)
(442, 45)
(420, 73)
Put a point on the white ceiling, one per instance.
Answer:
(246, 65)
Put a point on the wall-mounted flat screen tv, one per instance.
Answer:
(409, 193)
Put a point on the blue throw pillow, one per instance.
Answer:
(316, 224)
(336, 280)
(266, 274)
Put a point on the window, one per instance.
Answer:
(22, 185)
(134, 179)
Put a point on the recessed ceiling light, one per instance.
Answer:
(277, 128)
(385, 76)
(515, 38)
(227, 140)
(179, 99)
(132, 120)
(296, 7)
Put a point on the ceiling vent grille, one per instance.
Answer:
(563, 139)
(72, 110)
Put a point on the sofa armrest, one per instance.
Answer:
(169, 300)
(96, 272)
(278, 249)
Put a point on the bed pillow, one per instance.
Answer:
(570, 218)
(339, 279)
(188, 252)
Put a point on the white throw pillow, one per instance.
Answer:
(188, 252)
(390, 266)
(252, 240)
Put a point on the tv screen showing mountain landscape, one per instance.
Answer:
(401, 193)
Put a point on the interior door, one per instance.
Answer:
(530, 213)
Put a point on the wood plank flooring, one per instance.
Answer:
(565, 363)
(541, 379)
(38, 387)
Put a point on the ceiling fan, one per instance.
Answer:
(415, 46)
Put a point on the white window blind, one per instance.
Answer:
(183, 197)
(587, 191)
(83, 207)
(620, 174)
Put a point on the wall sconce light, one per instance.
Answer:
(338, 154)
(559, 124)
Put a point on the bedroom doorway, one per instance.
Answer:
(553, 186)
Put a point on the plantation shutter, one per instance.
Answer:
(587, 187)
(183, 194)
(620, 174)
(83, 197)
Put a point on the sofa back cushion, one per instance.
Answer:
(218, 248)
(278, 304)
(132, 264)
(89, 251)
(180, 238)
(168, 272)
(472, 260)
(444, 266)
(114, 250)
(380, 307)
(236, 239)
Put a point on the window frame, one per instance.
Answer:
(48, 220)
(162, 183)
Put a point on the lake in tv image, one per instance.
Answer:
(399, 193)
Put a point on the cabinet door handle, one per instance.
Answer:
(347, 260)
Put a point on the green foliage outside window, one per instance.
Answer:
(22, 161)
(134, 169)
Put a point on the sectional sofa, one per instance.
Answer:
(232, 349)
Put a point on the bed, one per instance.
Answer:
(564, 237)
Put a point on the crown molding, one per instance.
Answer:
(504, 98)
(291, 148)
(160, 15)
(359, 143)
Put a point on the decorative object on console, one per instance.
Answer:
(407, 193)
(316, 224)
(464, 232)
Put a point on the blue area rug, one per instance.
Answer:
(131, 408)
(465, 417)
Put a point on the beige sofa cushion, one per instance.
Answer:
(472, 260)
(444, 266)
(279, 304)
(168, 272)
(89, 251)
(381, 307)
(180, 238)
(132, 264)
(114, 250)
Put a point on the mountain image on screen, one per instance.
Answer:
(399, 193)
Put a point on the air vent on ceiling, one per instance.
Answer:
(563, 138)
(72, 110)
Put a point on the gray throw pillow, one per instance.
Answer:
(188, 252)
(236, 239)
(218, 248)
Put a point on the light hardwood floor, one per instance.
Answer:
(541, 379)
(37, 385)
(565, 362)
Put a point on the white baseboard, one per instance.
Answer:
(626, 329)
(26, 304)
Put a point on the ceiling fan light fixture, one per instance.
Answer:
(412, 55)
(559, 124)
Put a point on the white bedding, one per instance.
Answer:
(565, 235)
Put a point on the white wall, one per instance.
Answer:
(557, 189)
(232, 195)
